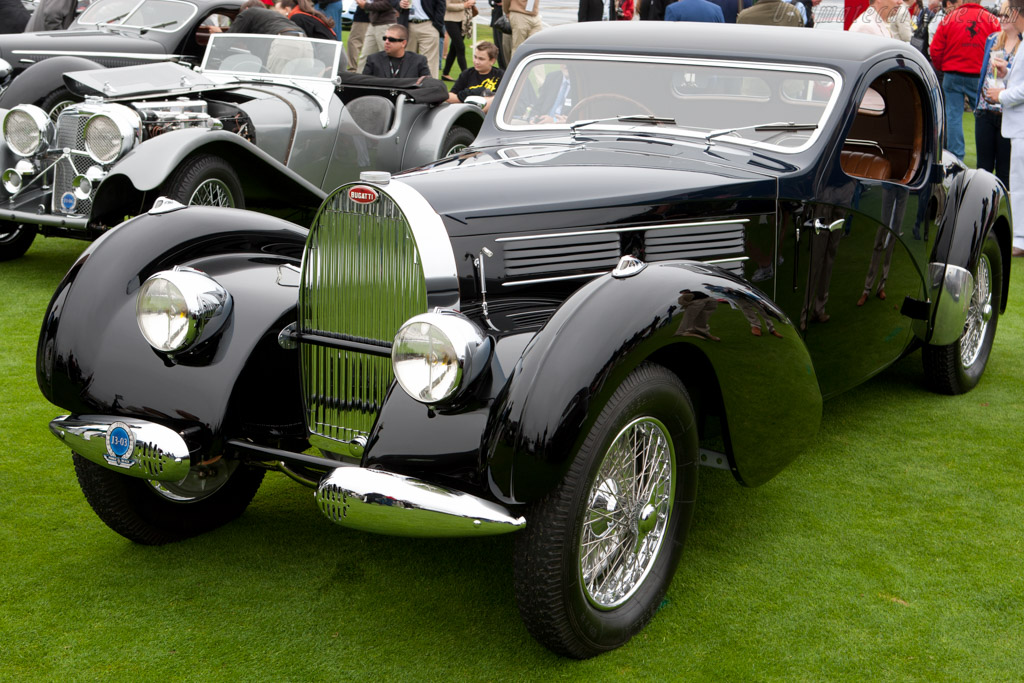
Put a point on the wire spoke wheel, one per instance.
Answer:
(978, 315)
(200, 482)
(627, 513)
(212, 192)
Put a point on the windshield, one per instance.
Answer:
(166, 16)
(745, 103)
(296, 57)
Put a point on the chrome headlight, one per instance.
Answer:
(27, 130)
(111, 133)
(177, 309)
(436, 355)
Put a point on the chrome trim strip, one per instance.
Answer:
(538, 281)
(952, 287)
(158, 453)
(735, 259)
(113, 55)
(387, 503)
(634, 228)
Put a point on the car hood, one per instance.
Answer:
(15, 46)
(137, 81)
(594, 182)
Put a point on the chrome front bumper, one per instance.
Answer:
(47, 219)
(134, 447)
(397, 505)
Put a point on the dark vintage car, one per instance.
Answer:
(265, 123)
(658, 254)
(109, 33)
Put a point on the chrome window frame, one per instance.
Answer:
(185, 23)
(661, 131)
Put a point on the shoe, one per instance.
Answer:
(863, 299)
(775, 333)
(448, 78)
(1017, 252)
(756, 331)
(821, 318)
(880, 294)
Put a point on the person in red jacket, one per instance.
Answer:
(957, 51)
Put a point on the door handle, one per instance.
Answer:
(820, 227)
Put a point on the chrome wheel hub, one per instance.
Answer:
(978, 314)
(628, 510)
(200, 482)
(212, 192)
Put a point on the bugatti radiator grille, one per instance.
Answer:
(362, 277)
(70, 135)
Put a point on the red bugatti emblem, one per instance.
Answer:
(361, 194)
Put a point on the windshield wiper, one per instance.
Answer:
(780, 126)
(626, 118)
(172, 22)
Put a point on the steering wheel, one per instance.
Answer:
(617, 100)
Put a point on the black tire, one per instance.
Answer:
(146, 514)
(563, 605)
(958, 367)
(56, 101)
(204, 180)
(457, 139)
(15, 239)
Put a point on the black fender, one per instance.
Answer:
(40, 79)
(267, 182)
(977, 204)
(430, 130)
(92, 359)
(767, 385)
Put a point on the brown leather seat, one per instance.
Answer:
(865, 165)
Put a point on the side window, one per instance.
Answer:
(886, 141)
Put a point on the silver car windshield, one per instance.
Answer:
(264, 55)
(157, 15)
(733, 100)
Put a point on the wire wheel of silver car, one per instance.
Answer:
(958, 367)
(205, 180)
(57, 101)
(15, 239)
(153, 513)
(600, 550)
(457, 139)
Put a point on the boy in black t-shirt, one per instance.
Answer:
(482, 80)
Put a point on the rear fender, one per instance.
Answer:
(430, 130)
(92, 359)
(42, 78)
(674, 310)
(977, 204)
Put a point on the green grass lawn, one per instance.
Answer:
(891, 550)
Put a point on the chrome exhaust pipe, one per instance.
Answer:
(394, 504)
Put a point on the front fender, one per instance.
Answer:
(92, 359)
(265, 180)
(693, 318)
(42, 78)
(977, 204)
(430, 130)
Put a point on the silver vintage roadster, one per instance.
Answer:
(265, 122)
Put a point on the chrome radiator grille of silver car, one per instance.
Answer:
(362, 277)
(70, 135)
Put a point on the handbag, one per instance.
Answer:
(502, 24)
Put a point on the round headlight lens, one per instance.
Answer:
(163, 315)
(103, 139)
(27, 130)
(425, 361)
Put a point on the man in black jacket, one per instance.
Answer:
(393, 61)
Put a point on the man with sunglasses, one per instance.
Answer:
(393, 61)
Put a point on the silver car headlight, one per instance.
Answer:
(111, 133)
(27, 130)
(436, 355)
(177, 309)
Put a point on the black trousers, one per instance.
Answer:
(993, 149)
(456, 49)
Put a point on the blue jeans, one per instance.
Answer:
(954, 87)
